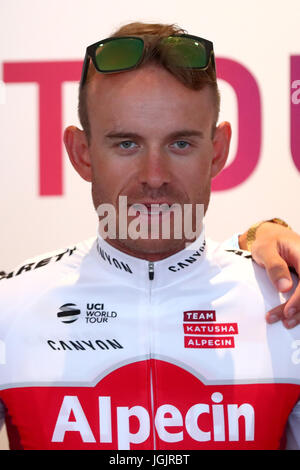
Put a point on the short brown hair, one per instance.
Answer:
(152, 34)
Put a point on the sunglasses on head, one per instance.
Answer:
(118, 54)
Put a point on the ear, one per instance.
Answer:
(221, 143)
(76, 144)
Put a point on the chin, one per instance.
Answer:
(142, 247)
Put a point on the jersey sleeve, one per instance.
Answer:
(293, 429)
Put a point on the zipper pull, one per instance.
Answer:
(151, 270)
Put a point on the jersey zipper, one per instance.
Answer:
(151, 278)
(151, 270)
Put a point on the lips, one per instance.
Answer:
(151, 208)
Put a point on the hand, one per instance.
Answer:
(276, 248)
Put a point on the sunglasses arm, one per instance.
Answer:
(85, 68)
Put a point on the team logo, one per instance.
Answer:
(202, 331)
(68, 313)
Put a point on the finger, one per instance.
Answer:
(275, 314)
(292, 306)
(292, 322)
(277, 269)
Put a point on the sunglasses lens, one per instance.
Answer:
(186, 52)
(119, 54)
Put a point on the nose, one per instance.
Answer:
(154, 170)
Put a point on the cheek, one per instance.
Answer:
(195, 172)
(196, 179)
(109, 178)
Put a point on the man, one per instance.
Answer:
(147, 343)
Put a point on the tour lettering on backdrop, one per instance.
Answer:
(51, 75)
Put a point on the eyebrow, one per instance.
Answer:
(121, 135)
(186, 133)
(173, 135)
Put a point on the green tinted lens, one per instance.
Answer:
(119, 54)
(186, 52)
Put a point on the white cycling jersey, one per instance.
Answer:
(101, 350)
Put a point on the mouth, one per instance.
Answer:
(151, 208)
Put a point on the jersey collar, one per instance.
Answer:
(139, 270)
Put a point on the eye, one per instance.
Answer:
(181, 144)
(127, 144)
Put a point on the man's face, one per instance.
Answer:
(151, 141)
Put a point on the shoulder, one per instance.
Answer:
(42, 273)
(70, 256)
(238, 265)
(225, 257)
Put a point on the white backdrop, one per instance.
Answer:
(259, 35)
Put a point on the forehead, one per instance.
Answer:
(149, 93)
